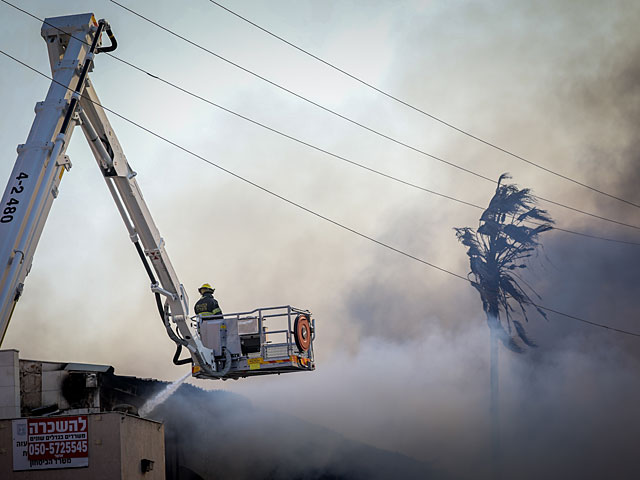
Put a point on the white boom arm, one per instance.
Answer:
(72, 42)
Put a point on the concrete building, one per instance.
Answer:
(120, 446)
(75, 421)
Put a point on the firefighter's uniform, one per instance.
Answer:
(207, 305)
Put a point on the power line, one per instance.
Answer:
(547, 309)
(360, 165)
(365, 167)
(440, 159)
(332, 154)
(333, 112)
(433, 117)
(353, 162)
(342, 158)
(587, 235)
(237, 176)
(300, 206)
(301, 97)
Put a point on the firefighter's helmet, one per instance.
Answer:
(206, 288)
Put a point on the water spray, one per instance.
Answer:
(161, 396)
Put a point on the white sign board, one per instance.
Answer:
(55, 442)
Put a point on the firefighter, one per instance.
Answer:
(207, 305)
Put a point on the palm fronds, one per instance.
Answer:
(507, 235)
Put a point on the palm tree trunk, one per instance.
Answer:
(494, 407)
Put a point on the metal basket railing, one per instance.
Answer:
(274, 344)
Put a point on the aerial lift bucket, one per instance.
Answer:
(264, 341)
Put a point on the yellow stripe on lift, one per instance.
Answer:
(276, 361)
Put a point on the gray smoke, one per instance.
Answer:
(416, 376)
(217, 435)
(402, 350)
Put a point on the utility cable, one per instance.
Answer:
(300, 206)
(330, 153)
(433, 117)
(587, 235)
(353, 162)
(301, 97)
(377, 172)
(360, 165)
(354, 122)
(417, 150)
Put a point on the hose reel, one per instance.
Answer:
(302, 332)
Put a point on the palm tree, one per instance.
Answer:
(497, 249)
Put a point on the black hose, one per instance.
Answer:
(85, 70)
(147, 267)
(176, 357)
(152, 277)
(159, 305)
(114, 43)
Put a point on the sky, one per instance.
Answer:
(402, 349)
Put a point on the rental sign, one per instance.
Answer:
(55, 442)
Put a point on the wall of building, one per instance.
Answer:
(9, 384)
(117, 445)
(140, 439)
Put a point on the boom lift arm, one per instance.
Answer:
(41, 162)
(122, 184)
(228, 346)
(73, 41)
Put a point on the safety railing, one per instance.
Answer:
(274, 343)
